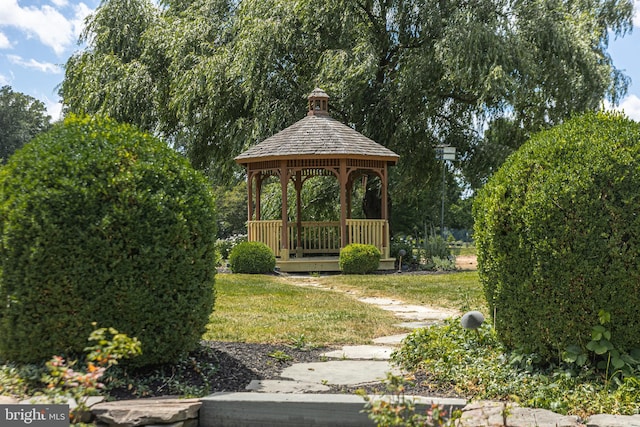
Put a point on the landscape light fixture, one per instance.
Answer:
(402, 253)
(472, 320)
(445, 153)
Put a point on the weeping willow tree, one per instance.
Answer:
(217, 76)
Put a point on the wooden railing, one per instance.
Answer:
(316, 237)
(368, 231)
(267, 232)
(320, 237)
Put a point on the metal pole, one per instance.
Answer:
(442, 209)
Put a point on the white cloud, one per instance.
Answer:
(45, 67)
(54, 109)
(630, 106)
(46, 23)
(81, 11)
(4, 80)
(4, 42)
(60, 3)
(636, 16)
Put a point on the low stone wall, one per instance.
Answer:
(243, 409)
(270, 409)
(148, 412)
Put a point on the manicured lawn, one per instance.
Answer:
(459, 290)
(269, 309)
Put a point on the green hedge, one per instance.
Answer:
(357, 258)
(557, 231)
(252, 258)
(102, 223)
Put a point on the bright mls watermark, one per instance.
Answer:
(34, 415)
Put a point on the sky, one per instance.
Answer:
(38, 36)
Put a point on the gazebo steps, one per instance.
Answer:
(321, 264)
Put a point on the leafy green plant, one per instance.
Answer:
(455, 360)
(559, 219)
(252, 258)
(100, 222)
(436, 246)
(189, 376)
(280, 356)
(300, 342)
(396, 409)
(401, 242)
(357, 258)
(225, 246)
(613, 362)
(444, 264)
(64, 383)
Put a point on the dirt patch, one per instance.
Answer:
(466, 262)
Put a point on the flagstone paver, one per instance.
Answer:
(352, 364)
(340, 372)
(364, 352)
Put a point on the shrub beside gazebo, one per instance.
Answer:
(317, 145)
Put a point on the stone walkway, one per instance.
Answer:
(352, 365)
(362, 364)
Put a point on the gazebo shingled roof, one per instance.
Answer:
(317, 134)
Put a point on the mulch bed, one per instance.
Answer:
(240, 363)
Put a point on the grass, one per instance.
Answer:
(270, 309)
(458, 291)
(464, 250)
(267, 309)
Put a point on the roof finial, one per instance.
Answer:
(318, 103)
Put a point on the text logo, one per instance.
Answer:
(34, 415)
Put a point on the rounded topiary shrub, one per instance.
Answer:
(357, 258)
(557, 230)
(102, 223)
(252, 258)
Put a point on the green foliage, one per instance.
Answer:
(231, 206)
(225, 246)
(280, 356)
(300, 342)
(407, 244)
(613, 363)
(100, 222)
(443, 264)
(557, 221)
(357, 258)
(22, 117)
(398, 243)
(63, 383)
(110, 346)
(436, 246)
(252, 258)
(479, 367)
(407, 74)
(450, 344)
(395, 409)
(432, 253)
(188, 376)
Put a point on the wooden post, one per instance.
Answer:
(298, 186)
(342, 178)
(250, 234)
(284, 236)
(384, 209)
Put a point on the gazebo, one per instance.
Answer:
(316, 145)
